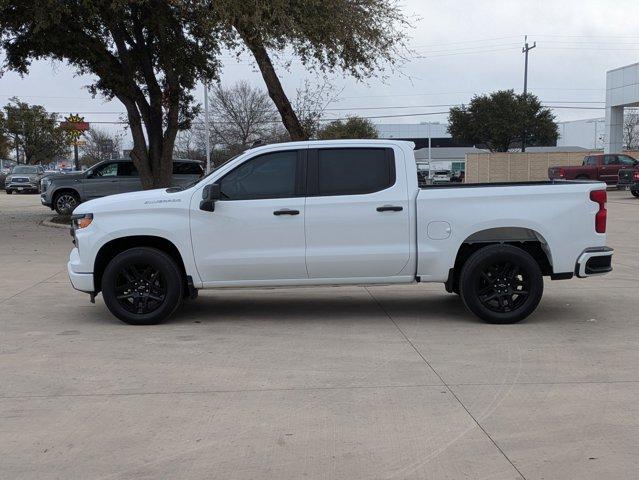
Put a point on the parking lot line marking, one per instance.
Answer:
(30, 287)
(450, 390)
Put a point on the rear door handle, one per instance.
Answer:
(286, 211)
(390, 208)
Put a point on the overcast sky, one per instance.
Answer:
(464, 48)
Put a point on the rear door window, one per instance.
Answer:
(127, 169)
(610, 160)
(353, 171)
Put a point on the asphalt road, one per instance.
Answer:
(330, 383)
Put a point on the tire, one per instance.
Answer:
(635, 193)
(490, 278)
(65, 202)
(9, 192)
(142, 286)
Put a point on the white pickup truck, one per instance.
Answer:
(344, 212)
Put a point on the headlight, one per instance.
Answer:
(81, 220)
(8, 179)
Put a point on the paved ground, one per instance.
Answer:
(353, 383)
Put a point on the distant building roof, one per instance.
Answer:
(447, 153)
(566, 148)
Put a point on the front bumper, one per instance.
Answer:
(594, 261)
(46, 202)
(22, 186)
(80, 280)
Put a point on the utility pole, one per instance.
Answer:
(525, 49)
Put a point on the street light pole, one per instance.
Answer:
(207, 131)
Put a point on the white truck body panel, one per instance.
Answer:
(339, 239)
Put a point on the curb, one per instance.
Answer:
(48, 223)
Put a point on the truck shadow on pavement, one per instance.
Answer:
(277, 307)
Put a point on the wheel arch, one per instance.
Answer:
(119, 245)
(66, 189)
(527, 239)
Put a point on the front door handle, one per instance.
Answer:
(390, 208)
(286, 211)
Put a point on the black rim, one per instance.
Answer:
(140, 288)
(502, 287)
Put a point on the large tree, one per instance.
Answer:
(352, 127)
(34, 132)
(358, 37)
(146, 53)
(499, 120)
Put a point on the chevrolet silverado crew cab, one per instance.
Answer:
(339, 212)
(604, 168)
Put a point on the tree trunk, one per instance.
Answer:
(275, 90)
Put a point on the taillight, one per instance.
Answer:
(562, 173)
(637, 175)
(600, 197)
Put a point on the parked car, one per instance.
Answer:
(337, 212)
(441, 177)
(603, 167)
(64, 192)
(629, 178)
(24, 178)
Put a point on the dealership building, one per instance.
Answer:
(622, 90)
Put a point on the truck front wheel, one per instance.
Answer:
(635, 192)
(501, 284)
(142, 286)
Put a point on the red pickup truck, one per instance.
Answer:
(603, 167)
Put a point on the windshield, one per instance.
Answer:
(25, 169)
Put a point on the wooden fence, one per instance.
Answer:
(518, 166)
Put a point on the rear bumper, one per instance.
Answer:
(594, 261)
(80, 280)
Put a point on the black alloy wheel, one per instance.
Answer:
(502, 286)
(142, 286)
(501, 283)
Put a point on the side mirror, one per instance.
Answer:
(210, 195)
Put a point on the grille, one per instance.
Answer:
(20, 179)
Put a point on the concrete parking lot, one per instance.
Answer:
(349, 383)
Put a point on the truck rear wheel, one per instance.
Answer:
(501, 284)
(142, 286)
(635, 192)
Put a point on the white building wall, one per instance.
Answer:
(588, 133)
(622, 90)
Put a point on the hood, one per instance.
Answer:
(137, 201)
